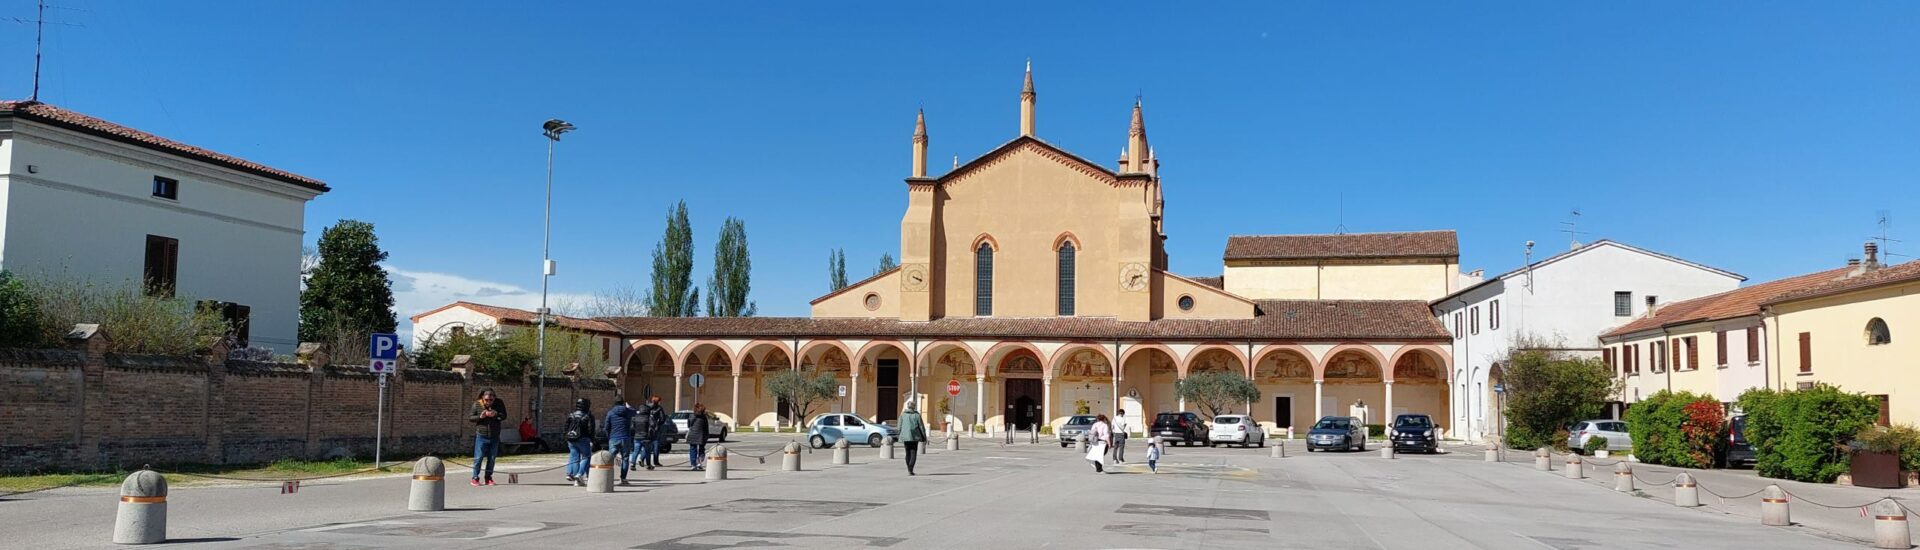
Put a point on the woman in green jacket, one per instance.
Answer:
(913, 432)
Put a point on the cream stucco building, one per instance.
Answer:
(1854, 332)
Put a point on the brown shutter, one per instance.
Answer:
(1693, 352)
(1606, 356)
(1806, 352)
(1720, 343)
(1753, 344)
(1673, 349)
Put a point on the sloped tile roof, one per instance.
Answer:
(1727, 305)
(521, 316)
(49, 114)
(1350, 245)
(1900, 273)
(1216, 281)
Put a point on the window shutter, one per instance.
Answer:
(1806, 352)
(1720, 341)
(1693, 352)
(1753, 344)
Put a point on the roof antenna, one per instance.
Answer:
(1885, 220)
(1573, 229)
(39, 38)
(1341, 228)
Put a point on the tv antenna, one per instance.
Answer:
(39, 23)
(1341, 227)
(1884, 218)
(1572, 228)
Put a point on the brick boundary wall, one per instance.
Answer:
(84, 409)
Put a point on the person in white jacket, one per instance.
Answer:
(1120, 429)
(1098, 437)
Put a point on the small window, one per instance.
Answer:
(1186, 303)
(1459, 324)
(1475, 315)
(872, 301)
(1753, 345)
(1623, 304)
(166, 188)
(1877, 333)
(162, 265)
(458, 332)
(1493, 315)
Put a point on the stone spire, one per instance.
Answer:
(1027, 99)
(1137, 141)
(920, 144)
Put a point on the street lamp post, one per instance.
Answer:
(552, 128)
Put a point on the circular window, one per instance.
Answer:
(1186, 303)
(872, 301)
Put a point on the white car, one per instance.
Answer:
(1615, 431)
(1236, 428)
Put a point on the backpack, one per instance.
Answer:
(573, 425)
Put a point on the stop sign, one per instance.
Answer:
(953, 388)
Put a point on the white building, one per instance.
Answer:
(458, 318)
(1562, 303)
(88, 199)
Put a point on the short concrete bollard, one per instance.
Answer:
(953, 443)
(429, 491)
(1686, 492)
(1080, 443)
(886, 450)
(716, 463)
(600, 472)
(1773, 507)
(1890, 525)
(1574, 468)
(1493, 455)
(1386, 452)
(1543, 459)
(840, 451)
(1280, 449)
(142, 518)
(1623, 477)
(790, 457)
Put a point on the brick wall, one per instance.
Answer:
(84, 409)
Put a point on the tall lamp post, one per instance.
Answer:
(552, 128)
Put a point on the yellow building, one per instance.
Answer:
(1029, 273)
(1855, 333)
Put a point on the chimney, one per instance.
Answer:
(1873, 255)
(1853, 262)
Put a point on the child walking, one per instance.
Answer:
(1153, 455)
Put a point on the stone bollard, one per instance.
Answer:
(840, 451)
(142, 518)
(1686, 492)
(600, 472)
(953, 443)
(886, 450)
(1080, 443)
(790, 457)
(429, 491)
(1543, 459)
(1493, 455)
(717, 463)
(1574, 469)
(1890, 525)
(1386, 452)
(1623, 477)
(1773, 507)
(1280, 449)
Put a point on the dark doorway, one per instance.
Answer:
(1023, 402)
(889, 390)
(1283, 411)
(785, 410)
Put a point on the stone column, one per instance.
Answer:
(1046, 402)
(1176, 391)
(980, 399)
(1387, 414)
(853, 393)
(1318, 409)
(676, 391)
(735, 424)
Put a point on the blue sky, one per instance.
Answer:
(1755, 136)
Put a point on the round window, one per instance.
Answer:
(873, 301)
(1186, 303)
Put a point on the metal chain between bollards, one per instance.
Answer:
(587, 459)
(1667, 483)
(1725, 497)
(268, 479)
(1804, 499)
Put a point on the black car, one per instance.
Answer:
(1337, 432)
(1183, 427)
(1735, 449)
(1414, 432)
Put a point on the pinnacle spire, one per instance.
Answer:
(1027, 100)
(920, 127)
(1028, 89)
(920, 144)
(1137, 149)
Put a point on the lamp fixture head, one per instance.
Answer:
(554, 127)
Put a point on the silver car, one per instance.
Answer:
(1614, 430)
(828, 429)
(1075, 426)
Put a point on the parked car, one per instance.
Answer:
(1076, 425)
(828, 429)
(1180, 427)
(1337, 432)
(1736, 449)
(1414, 432)
(1614, 430)
(1236, 428)
(715, 429)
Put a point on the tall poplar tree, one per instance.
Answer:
(836, 269)
(886, 262)
(673, 293)
(347, 293)
(732, 277)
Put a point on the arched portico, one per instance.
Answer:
(1351, 384)
(1417, 383)
(883, 373)
(1082, 372)
(1284, 373)
(648, 371)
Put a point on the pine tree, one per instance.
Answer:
(732, 277)
(347, 294)
(673, 292)
(886, 263)
(836, 269)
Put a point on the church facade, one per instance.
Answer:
(1036, 281)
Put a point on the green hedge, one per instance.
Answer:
(1666, 430)
(1803, 435)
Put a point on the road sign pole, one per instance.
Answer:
(380, 420)
(383, 354)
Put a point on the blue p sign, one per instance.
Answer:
(383, 346)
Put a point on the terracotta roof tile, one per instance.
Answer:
(855, 284)
(1279, 320)
(42, 112)
(527, 317)
(1215, 281)
(1900, 273)
(1350, 245)
(1727, 305)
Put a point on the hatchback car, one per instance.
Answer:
(1414, 432)
(1737, 449)
(829, 429)
(1180, 427)
(1236, 428)
(1337, 432)
(715, 429)
(1614, 430)
(1078, 424)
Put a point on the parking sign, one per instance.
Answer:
(383, 352)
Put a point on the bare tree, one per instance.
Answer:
(621, 301)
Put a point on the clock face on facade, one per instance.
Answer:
(1133, 277)
(913, 277)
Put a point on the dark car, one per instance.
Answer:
(1337, 432)
(1737, 449)
(1182, 427)
(1414, 432)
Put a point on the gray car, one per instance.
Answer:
(1078, 424)
(1337, 432)
(828, 429)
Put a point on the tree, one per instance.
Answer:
(347, 293)
(886, 263)
(20, 320)
(801, 390)
(836, 269)
(492, 352)
(732, 273)
(1803, 434)
(1546, 393)
(673, 292)
(621, 301)
(1218, 391)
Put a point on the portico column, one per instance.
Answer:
(853, 395)
(735, 424)
(1176, 391)
(1387, 414)
(1046, 403)
(1318, 409)
(676, 391)
(979, 399)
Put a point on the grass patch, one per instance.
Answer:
(182, 474)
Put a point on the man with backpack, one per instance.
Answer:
(580, 433)
(619, 428)
(660, 432)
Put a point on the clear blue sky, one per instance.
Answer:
(1758, 137)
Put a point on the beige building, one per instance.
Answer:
(1855, 333)
(1035, 282)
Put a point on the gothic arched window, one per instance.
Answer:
(1066, 279)
(983, 281)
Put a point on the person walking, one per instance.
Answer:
(697, 438)
(913, 432)
(580, 435)
(1120, 428)
(1153, 455)
(619, 427)
(1100, 435)
(661, 431)
(486, 414)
